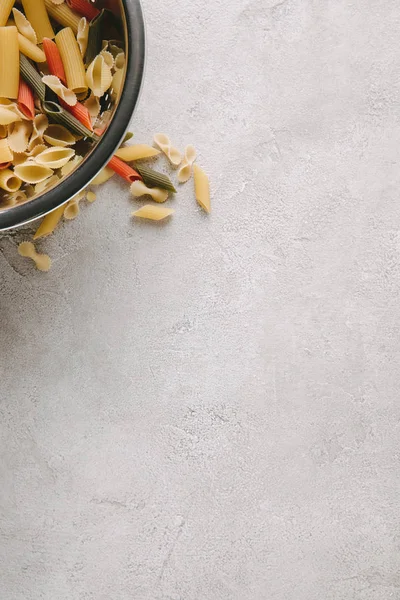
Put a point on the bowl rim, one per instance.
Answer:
(36, 208)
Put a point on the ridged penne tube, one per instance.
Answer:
(19, 135)
(58, 135)
(28, 250)
(185, 172)
(153, 212)
(164, 143)
(136, 152)
(9, 181)
(138, 189)
(58, 88)
(82, 35)
(98, 76)
(6, 155)
(30, 50)
(31, 172)
(63, 15)
(26, 101)
(83, 7)
(104, 175)
(55, 157)
(9, 62)
(49, 223)
(24, 27)
(72, 60)
(36, 13)
(8, 116)
(54, 61)
(202, 188)
(5, 10)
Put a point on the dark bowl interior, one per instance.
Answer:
(132, 17)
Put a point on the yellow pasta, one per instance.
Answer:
(138, 189)
(24, 27)
(185, 172)
(31, 172)
(72, 208)
(58, 88)
(98, 76)
(91, 197)
(153, 212)
(136, 151)
(30, 50)
(49, 223)
(117, 81)
(55, 157)
(36, 13)
(202, 188)
(164, 143)
(9, 180)
(42, 186)
(19, 134)
(28, 250)
(9, 63)
(103, 176)
(63, 15)
(58, 135)
(8, 116)
(70, 166)
(82, 35)
(93, 106)
(5, 153)
(40, 124)
(72, 60)
(5, 9)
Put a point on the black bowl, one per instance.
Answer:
(103, 151)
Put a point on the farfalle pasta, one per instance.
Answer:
(62, 66)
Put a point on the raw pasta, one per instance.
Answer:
(202, 188)
(49, 223)
(185, 172)
(9, 180)
(153, 212)
(58, 135)
(6, 155)
(63, 15)
(24, 27)
(9, 62)
(164, 143)
(55, 157)
(58, 88)
(136, 151)
(19, 134)
(36, 13)
(72, 60)
(5, 10)
(138, 189)
(28, 250)
(98, 76)
(31, 172)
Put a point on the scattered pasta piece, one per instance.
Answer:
(104, 175)
(91, 197)
(185, 172)
(136, 152)
(153, 212)
(164, 143)
(72, 210)
(28, 250)
(202, 188)
(138, 189)
(49, 223)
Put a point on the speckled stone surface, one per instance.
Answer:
(209, 409)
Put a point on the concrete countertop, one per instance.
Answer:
(209, 409)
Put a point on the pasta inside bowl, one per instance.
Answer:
(70, 77)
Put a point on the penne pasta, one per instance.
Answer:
(9, 62)
(72, 61)
(6, 155)
(202, 188)
(54, 61)
(30, 50)
(5, 10)
(136, 152)
(9, 180)
(84, 8)
(49, 223)
(123, 170)
(36, 13)
(63, 15)
(153, 212)
(26, 103)
(104, 175)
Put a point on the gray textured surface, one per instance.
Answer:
(210, 410)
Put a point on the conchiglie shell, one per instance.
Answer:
(55, 157)
(58, 135)
(31, 172)
(8, 116)
(98, 76)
